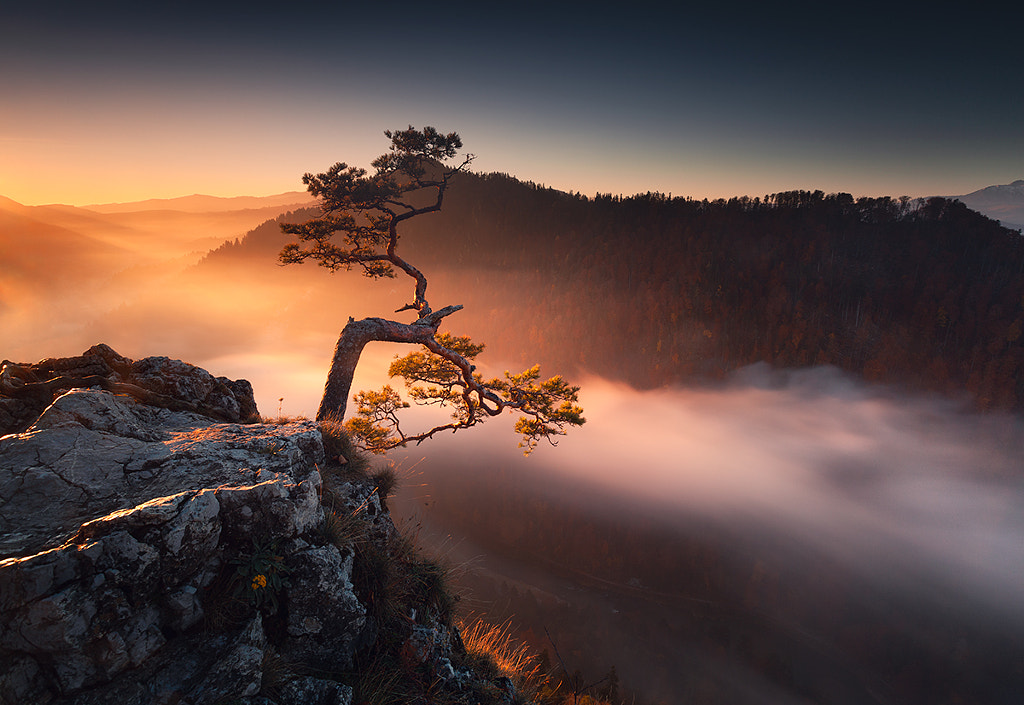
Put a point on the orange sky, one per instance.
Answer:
(166, 102)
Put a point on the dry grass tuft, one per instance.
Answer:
(340, 450)
(383, 682)
(341, 528)
(280, 420)
(386, 483)
(493, 651)
(277, 670)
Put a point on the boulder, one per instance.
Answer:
(27, 389)
(92, 453)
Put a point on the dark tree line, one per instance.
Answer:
(655, 290)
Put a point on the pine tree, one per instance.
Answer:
(358, 227)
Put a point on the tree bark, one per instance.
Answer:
(351, 342)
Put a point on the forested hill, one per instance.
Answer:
(653, 290)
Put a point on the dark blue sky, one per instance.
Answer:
(105, 103)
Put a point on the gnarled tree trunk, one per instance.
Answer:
(351, 342)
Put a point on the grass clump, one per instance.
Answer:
(340, 528)
(385, 483)
(341, 452)
(430, 586)
(281, 420)
(276, 671)
(403, 591)
(492, 652)
(401, 586)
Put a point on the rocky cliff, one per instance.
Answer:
(152, 552)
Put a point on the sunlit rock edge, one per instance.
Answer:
(128, 532)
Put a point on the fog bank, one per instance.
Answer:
(911, 492)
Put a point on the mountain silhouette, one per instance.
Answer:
(1003, 203)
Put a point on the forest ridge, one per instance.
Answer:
(654, 290)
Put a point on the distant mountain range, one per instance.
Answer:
(155, 229)
(198, 203)
(1003, 203)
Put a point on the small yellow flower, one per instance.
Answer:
(259, 582)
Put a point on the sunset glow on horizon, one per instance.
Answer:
(737, 288)
(106, 108)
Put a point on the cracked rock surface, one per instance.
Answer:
(157, 556)
(126, 531)
(27, 389)
(91, 453)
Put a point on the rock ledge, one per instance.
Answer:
(154, 555)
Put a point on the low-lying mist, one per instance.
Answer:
(911, 496)
(910, 492)
(788, 536)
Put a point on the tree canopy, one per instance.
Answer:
(358, 226)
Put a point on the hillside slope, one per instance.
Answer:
(656, 290)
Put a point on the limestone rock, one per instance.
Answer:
(121, 526)
(26, 389)
(314, 691)
(91, 453)
(325, 619)
(155, 556)
(103, 602)
(239, 673)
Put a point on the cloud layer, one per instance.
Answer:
(913, 493)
